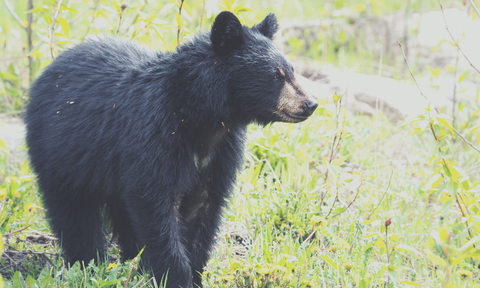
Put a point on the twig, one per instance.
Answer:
(333, 204)
(128, 277)
(353, 201)
(453, 39)
(334, 144)
(30, 40)
(179, 26)
(383, 196)
(433, 131)
(475, 8)
(387, 223)
(201, 16)
(122, 9)
(14, 15)
(93, 19)
(455, 90)
(434, 107)
(309, 236)
(18, 231)
(464, 215)
(56, 10)
(136, 17)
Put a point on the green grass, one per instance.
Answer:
(277, 231)
(288, 224)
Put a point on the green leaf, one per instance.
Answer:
(462, 77)
(159, 34)
(332, 170)
(151, 16)
(368, 221)
(473, 129)
(403, 247)
(430, 244)
(411, 283)
(410, 122)
(447, 171)
(330, 261)
(142, 15)
(3, 144)
(435, 259)
(166, 8)
(1, 244)
(64, 42)
(382, 248)
(179, 19)
(240, 9)
(433, 71)
(65, 26)
(446, 124)
(417, 130)
(71, 10)
(5, 75)
(336, 97)
(434, 181)
(452, 188)
(36, 10)
(472, 241)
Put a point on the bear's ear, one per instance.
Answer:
(227, 33)
(268, 26)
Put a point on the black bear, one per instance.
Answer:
(153, 140)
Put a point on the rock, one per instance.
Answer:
(395, 100)
(432, 35)
(12, 131)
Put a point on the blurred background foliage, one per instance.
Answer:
(342, 200)
(56, 25)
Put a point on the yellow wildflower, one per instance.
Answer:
(308, 284)
(348, 266)
(111, 266)
(207, 272)
(301, 231)
(30, 208)
(226, 279)
(333, 248)
(318, 220)
(280, 268)
(3, 193)
(344, 244)
(464, 273)
(266, 270)
(360, 7)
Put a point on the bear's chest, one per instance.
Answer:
(208, 140)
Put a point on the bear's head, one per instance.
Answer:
(262, 83)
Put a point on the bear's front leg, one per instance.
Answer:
(158, 226)
(202, 208)
(202, 214)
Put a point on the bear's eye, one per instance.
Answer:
(279, 74)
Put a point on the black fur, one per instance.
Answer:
(268, 26)
(156, 138)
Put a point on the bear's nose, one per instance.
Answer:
(311, 105)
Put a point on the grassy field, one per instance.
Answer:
(341, 200)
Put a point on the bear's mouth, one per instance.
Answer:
(296, 117)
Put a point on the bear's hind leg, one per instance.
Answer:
(77, 221)
(122, 228)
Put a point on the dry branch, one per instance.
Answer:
(434, 107)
